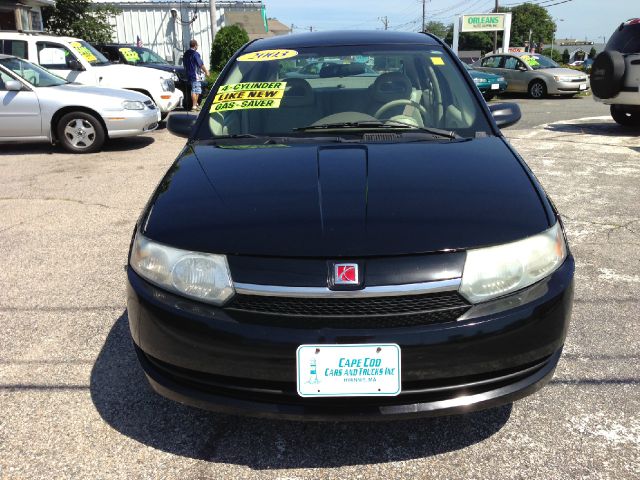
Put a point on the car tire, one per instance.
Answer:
(537, 89)
(488, 97)
(624, 117)
(607, 74)
(80, 132)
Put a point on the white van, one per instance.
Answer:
(77, 61)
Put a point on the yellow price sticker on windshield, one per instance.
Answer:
(267, 55)
(84, 51)
(130, 55)
(248, 95)
(437, 60)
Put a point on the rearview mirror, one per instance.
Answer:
(181, 124)
(13, 85)
(505, 114)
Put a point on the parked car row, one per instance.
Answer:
(40, 106)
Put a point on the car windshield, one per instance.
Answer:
(141, 56)
(538, 61)
(34, 74)
(355, 88)
(90, 54)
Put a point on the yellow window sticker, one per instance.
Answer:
(530, 60)
(267, 55)
(437, 60)
(248, 95)
(130, 55)
(84, 51)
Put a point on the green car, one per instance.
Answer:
(489, 84)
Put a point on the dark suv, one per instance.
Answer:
(142, 56)
(615, 75)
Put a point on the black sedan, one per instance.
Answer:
(348, 247)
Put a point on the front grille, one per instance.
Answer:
(372, 312)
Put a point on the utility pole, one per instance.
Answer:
(495, 33)
(385, 22)
(214, 19)
(424, 16)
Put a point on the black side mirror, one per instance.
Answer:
(181, 124)
(505, 114)
(75, 65)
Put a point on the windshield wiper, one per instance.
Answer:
(388, 123)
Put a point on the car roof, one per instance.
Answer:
(38, 35)
(2, 55)
(338, 38)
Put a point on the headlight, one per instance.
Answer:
(500, 79)
(201, 276)
(167, 85)
(565, 79)
(478, 80)
(127, 105)
(495, 271)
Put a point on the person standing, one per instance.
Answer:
(193, 65)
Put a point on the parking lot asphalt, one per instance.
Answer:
(74, 403)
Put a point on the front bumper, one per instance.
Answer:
(128, 123)
(495, 353)
(563, 88)
(168, 101)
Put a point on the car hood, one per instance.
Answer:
(122, 73)
(483, 75)
(72, 91)
(565, 72)
(344, 200)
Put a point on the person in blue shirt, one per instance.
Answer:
(193, 65)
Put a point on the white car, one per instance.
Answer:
(79, 62)
(615, 74)
(38, 106)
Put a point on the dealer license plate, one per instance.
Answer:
(495, 86)
(583, 86)
(348, 370)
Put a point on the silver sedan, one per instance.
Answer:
(534, 74)
(36, 105)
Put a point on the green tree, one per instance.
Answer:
(80, 18)
(530, 18)
(228, 40)
(592, 53)
(438, 29)
(482, 41)
(554, 55)
(565, 56)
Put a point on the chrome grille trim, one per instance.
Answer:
(323, 292)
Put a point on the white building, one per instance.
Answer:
(168, 27)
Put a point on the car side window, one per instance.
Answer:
(513, 63)
(54, 55)
(14, 47)
(492, 62)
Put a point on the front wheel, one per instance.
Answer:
(488, 96)
(80, 132)
(537, 89)
(625, 117)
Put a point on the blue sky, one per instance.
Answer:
(575, 19)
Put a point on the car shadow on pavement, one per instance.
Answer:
(607, 129)
(115, 145)
(124, 400)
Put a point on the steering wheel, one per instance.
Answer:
(397, 103)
